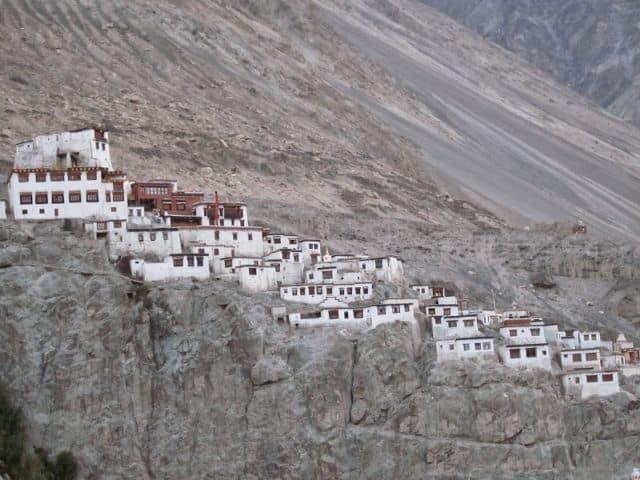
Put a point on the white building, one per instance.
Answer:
(3, 210)
(526, 356)
(311, 251)
(318, 293)
(256, 278)
(227, 267)
(330, 274)
(489, 317)
(143, 241)
(523, 333)
(361, 317)
(582, 385)
(454, 326)
(585, 358)
(81, 192)
(173, 267)
(245, 241)
(427, 292)
(442, 310)
(67, 175)
(276, 241)
(104, 229)
(465, 348)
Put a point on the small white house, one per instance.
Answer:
(585, 358)
(442, 310)
(276, 241)
(526, 356)
(392, 310)
(256, 278)
(311, 251)
(361, 317)
(582, 385)
(522, 333)
(330, 274)
(454, 326)
(246, 241)
(489, 317)
(173, 267)
(465, 348)
(104, 229)
(3, 210)
(287, 271)
(227, 267)
(161, 242)
(318, 293)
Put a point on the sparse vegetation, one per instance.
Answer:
(20, 462)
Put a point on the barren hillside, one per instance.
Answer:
(369, 106)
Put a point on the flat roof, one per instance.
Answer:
(516, 345)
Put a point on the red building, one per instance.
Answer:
(164, 196)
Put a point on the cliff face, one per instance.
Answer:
(195, 380)
(591, 46)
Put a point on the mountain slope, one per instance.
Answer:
(590, 45)
(245, 94)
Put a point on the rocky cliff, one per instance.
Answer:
(196, 380)
(590, 45)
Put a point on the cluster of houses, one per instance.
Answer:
(165, 233)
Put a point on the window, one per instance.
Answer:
(514, 353)
(586, 337)
(277, 240)
(296, 257)
(235, 235)
(312, 291)
(74, 176)
(57, 176)
(592, 378)
(407, 308)
(513, 333)
(477, 346)
(190, 261)
(594, 336)
(24, 212)
(101, 225)
(437, 320)
(216, 251)
(327, 275)
(302, 291)
(253, 271)
(607, 377)
(294, 292)
(365, 290)
(577, 379)
(591, 357)
(228, 262)
(378, 263)
(310, 276)
(531, 352)
(152, 236)
(249, 236)
(334, 314)
(277, 267)
(358, 313)
(364, 267)
(432, 311)
(41, 177)
(141, 237)
(286, 254)
(486, 346)
(535, 332)
(395, 309)
(26, 199)
(452, 323)
(41, 210)
(42, 197)
(181, 206)
(469, 323)
(178, 261)
(75, 196)
(576, 357)
(319, 290)
(346, 314)
(329, 290)
(358, 290)
(118, 196)
(97, 145)
(92, 175)
(216, 235)
(23, 177)
(103, 147)
(107, 196)
(349, 291)
(292, 241)
(447, 311)
(465, 347)
(165, 235)
(117, 224)
(382, 310)
(451, 346)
